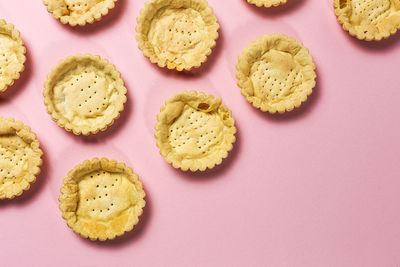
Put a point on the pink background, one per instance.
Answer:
(316, 187)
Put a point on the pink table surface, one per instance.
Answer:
(319, 186)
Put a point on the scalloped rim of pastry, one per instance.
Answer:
(67, 196)
(390, 27)
(243, 78)
(90, 18)
(24, 132)
(267, 3)
(143, 24)
(201, 163)
(16, 36)
(61, 121)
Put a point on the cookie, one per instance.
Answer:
(276, 73)
(84, 94)
(177, 34)
(79, 12)
(101, 199)
(195, 131)
(12, 55)
(20, 158)
(368, 19)
(267, 3)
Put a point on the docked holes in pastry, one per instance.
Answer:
(79, 12)
(195, 131)
(102, 199)
(177, 34)
(12, 55)
(84, 94)
(368, 20)
(20, 158)
(276, 73)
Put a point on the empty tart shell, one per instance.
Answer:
(20, 158)
(101, 199)
(368, 20)
(177, 34)
(79, 12)
(12, 55)
(195, 131)
(84, 94)
(267, 3)
(276, 73)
